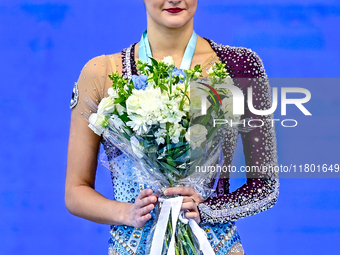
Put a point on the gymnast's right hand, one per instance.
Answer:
(139, 212)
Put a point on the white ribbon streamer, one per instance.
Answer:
(161, 226)
(175, 204)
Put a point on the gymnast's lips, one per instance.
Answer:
(174, 10)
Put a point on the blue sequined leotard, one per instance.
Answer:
(220, 211)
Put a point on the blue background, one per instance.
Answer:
(45, 44)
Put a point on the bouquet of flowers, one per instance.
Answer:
(155, 118)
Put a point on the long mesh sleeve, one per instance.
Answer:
(92, 85)
(260, 191)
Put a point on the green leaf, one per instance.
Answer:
(185, 123)
(171, 162)
(212, 133)
(163, 87)
(154, 62)
(209, 94)
(181, 152)
(124, 117)
(203, 121)
(151, 68)
(119, 100)
(179, 241)
(197, 68)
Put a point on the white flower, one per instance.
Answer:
(160, 132)
(96, 123)
(228, 80)
(106, 106)
(226, 92)
(116, 121)
(151, 83)
(171, 112)
(197, 75)
(144, 108)
(163, 154)
(227, 105)
(113, 93)
(227, 108)
(196, 94)
(132, 104)
(210, 72)
(136, 147)
(168, 61)
(160, 140)
(181, 88)
(186, 107)
(175, 132)
(138, 124)
(120, 109)
(150, 101)
(145, 102)
(196, 135)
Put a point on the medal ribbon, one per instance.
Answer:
(144, 53)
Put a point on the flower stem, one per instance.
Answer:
(183, 98)
(188, 239)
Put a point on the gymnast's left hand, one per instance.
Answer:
(190, 201)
